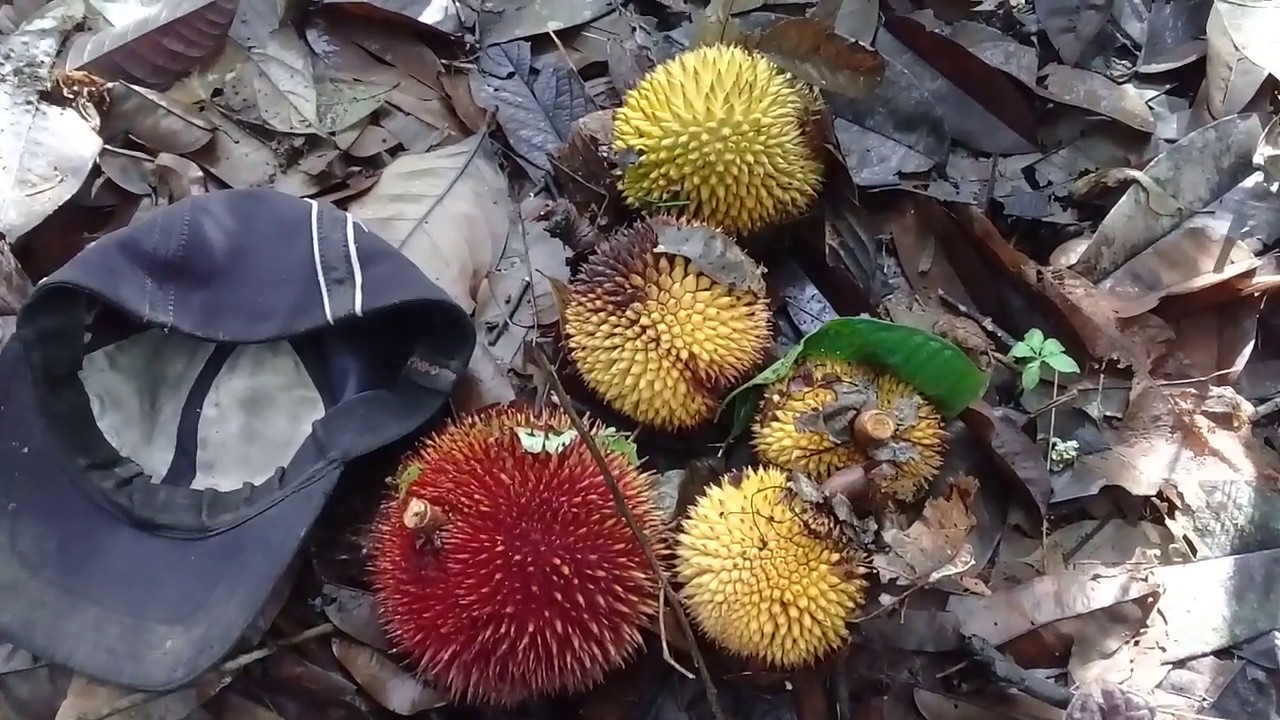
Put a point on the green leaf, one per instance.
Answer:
(1021, 350)
(1062, 362)
(540, 441)
(613, 440)
(1034, 338)
(406, 478)
(938, 369)
(1051, 346)
(1031, 375)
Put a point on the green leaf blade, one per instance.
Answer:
(1062, 362)
(939, 370)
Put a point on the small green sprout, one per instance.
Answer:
(406, 478)
(1062, 453)
(1034, 351)
(540, 441)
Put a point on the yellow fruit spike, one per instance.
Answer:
(758, 579)
(656, 339)
(720, 134)
(907, 462)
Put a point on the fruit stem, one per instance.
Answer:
(423, 516)
(873, 427)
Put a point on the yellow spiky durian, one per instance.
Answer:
(907, 459)
(656, 338)
(760, 577)
(719, 134)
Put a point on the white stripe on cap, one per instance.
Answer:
(355, 264)
(315, 252)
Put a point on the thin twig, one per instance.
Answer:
(620, 502)
(985, 322)
(226, 670)
(662, 635)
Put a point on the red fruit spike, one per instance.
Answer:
(533, 585)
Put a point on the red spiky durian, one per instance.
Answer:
(501, 565)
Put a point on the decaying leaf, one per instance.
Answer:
(1006, 614)
(583, 166)
(1166, 440)
(448, 210)
(1159, 200)
(1000, 430)
(234, 155)
(447, 16)
(814, 52)
(355, 613)
(535, 109)
(1095, 92)
(1252, 25)
(714, 253)
(527, 19)
(835, 418)
(984, 109)
(46, 151)
(154, 119)
(158, 48)
(935, 546)
(485, 383)
(1072, 25)
(1267, 157)
(1090, 313)
(382, 678)
(898, 129)
(1199, 169)
(517, 298)
(86, 697)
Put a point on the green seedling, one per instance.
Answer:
(1035, 351)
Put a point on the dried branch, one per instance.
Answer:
(620, 502)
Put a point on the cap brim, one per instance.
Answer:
(82, 588)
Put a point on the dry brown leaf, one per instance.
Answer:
(921, 252)
(177, 178)
(235, 156)
(355, 613)
(85, 697)
(992, 705)
(160, 47)
(714, 253)
(584, 166)
(228, 706)
(382, 678)
(448, 210)
(133, 171)
(484, 384)
(1091, 91)
(1171, 437)
(814, 52)
(446, 16)
(1134, 342)
(1000, 430)
(1007, 614)
(516, 299)
(155, 119)
(936, 545)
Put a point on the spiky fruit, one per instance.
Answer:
(763, 575)
(654, 337)
(501, 565)
(905, 462)
(719, 134)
